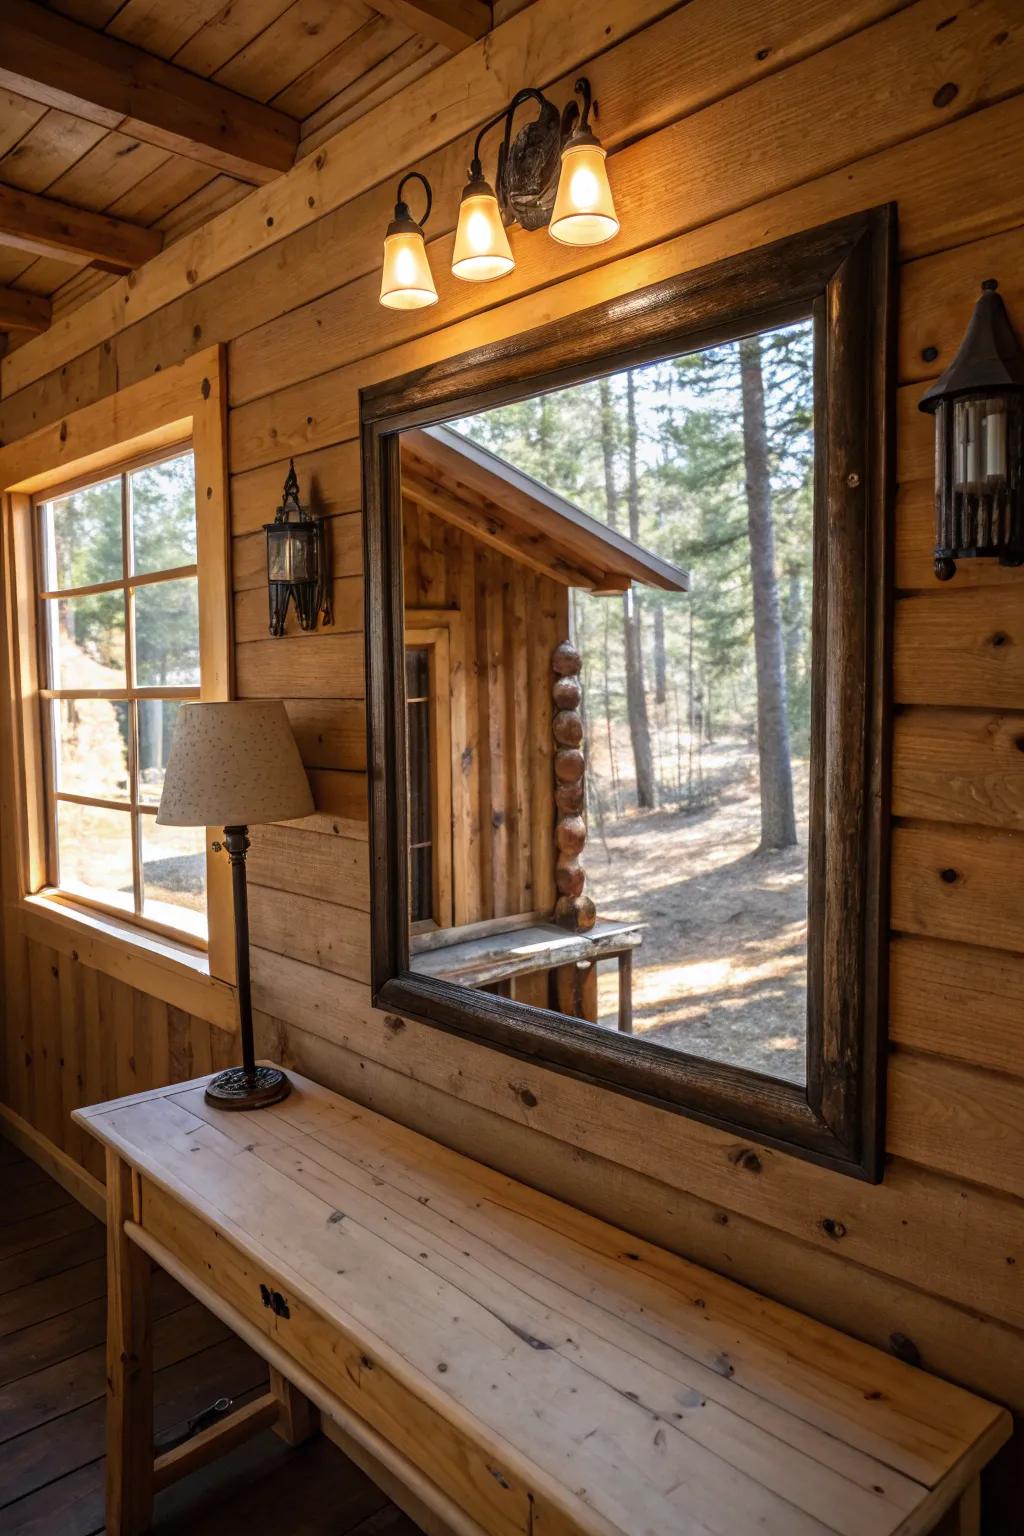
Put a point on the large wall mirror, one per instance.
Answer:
(627, 584)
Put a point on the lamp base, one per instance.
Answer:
(234, 1089)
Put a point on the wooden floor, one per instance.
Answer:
(52, 1320)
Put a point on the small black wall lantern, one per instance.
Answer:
(978, 405)
(296, 562)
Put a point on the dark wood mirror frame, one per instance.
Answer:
(841, 275)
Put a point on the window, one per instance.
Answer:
(118, 606)
(773, 729)
(429, 773)
(421, 784)
(119, 652)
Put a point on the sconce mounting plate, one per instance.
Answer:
(528, 168)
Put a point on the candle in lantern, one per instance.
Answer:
(995, 439)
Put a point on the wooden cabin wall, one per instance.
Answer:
(512, 619)
(729, 126)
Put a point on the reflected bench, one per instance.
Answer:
(503, 1364)
(497, 959)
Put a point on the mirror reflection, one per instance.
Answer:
(608, 596)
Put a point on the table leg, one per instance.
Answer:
(129, 1365)
(968, 1510)
(298, 1418)
(964, 1518)
(626, 992)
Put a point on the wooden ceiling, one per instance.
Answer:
(126, 123)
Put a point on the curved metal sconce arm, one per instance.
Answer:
(402, 207)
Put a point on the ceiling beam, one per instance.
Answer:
(20, 311)
(56, 61)
(455, 23)
(48, 228)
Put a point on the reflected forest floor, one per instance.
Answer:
(722, 970)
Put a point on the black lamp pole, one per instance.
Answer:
(248, 1086)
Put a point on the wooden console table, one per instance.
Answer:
(517, 1367)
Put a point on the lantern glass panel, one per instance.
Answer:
(303, 552)
(292, 553)
(279, 554)
(979, 443)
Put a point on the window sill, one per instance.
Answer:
(160, 967)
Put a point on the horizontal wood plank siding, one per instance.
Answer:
(729, 127)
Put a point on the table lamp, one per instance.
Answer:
(233, 765)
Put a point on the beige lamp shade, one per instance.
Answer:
(406, 281)
(233, 765)
(482, 251)
(584, 212)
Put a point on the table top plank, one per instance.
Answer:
(660, 1396)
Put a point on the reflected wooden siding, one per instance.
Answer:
(511, 620)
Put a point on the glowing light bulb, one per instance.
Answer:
(585, 190)
(478, 232)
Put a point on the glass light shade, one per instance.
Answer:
(406, 281)
(584, 212)
(482, 251)
(292, 550)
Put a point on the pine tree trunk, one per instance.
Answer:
(660, 658)
(636, 702)
(612, 769)
(793, 626)
(636, 698)
(778, 820)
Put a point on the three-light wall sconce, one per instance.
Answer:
(978, 405)
(552, 174)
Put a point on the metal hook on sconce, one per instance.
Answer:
(576, 119)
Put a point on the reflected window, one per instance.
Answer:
(119, 642)
(421, 777)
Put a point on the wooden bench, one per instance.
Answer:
(501, 1362)
(501, 957)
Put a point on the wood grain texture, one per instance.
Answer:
(455, 23)
(916, 1226)
(960, 647)
(961, 884)
(503, 851)
(555, 36)
(129, 1365)
(43, 225)
(20, 311)
(959, 766)
(307, 300)
(507, 1260)
(958, 1118)
(53, 59)
(965, 1003)
(928, 178)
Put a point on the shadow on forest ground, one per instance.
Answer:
(721, 973)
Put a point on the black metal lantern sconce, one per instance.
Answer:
(296, 562)
(551, 175)
(978, 405)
